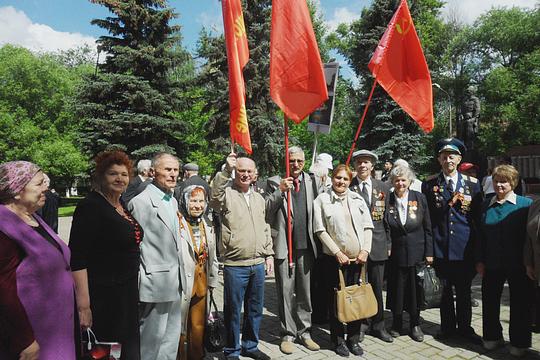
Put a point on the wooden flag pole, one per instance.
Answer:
(353, 146)
(289, 204)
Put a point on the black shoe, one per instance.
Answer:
(395, 333)
(256, 354)
(444, 335)
(417, 334)
(356, 349)
(361, 336)
(383, 335)
(341, 350)
(471, 336)
(475, 303)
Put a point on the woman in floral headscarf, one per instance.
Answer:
(201, 267)
(36, 287)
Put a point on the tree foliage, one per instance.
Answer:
(37, 122)
(132, 101)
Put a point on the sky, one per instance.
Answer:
(51, 25)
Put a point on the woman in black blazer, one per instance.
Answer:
(407, 222)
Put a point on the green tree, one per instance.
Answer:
(132, 101)
(37, 122)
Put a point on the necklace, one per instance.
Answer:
(122, 211)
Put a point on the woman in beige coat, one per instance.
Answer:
(342, 221)
(198, 250)
(532, 256)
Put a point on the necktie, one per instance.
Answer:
(365, 193)
(450, 185)
(296, 185)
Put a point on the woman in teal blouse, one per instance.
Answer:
(502, 234)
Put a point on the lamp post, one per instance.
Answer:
(449, 108)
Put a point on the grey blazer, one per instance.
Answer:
(276, 215)
(160, 271)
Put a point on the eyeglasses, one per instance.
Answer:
(292, 161)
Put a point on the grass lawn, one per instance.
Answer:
(66, 211)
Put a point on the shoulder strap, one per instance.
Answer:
(314, 185)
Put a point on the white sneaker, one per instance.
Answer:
(517, 352)
(492, 344)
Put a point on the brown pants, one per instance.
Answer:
(192, 343)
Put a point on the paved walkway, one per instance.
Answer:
(401, 348)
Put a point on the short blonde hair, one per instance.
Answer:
(508, 173)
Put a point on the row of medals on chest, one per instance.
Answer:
(462, 196)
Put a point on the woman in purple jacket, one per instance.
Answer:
(36, 287)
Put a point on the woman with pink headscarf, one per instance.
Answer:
(36, 286)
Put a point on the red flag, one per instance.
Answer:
(237, 58)
(399, 65)
(297, 83)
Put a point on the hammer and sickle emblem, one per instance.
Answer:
(241, 122)
(403, 26)
(239, 27)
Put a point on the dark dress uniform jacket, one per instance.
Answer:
(412, 242)
(381, 241)
(453, 226)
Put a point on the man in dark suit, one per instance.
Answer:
(294, 292)
(373, 192)
(139, 182)
(452, 200)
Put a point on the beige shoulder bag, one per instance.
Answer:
(355, 302)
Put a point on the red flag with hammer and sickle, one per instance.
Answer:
(400, 67)
(237, 58)
(297, 83)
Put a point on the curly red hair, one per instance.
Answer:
(105, 159)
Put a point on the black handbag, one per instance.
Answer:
(430, 287)
(215, 333)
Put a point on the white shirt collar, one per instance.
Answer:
(511, 197)
(454, 178)
(367, 181)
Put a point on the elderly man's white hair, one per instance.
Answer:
(401, 162)
(296, 150)
(143, 166)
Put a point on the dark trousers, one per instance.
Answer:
(375, 273)
(521, 295)
(404, 291)
(351, 273)
(455, 274)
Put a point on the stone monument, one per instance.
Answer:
(467, 126)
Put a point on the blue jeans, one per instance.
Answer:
(243, 284)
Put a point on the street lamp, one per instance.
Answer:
(449, 108)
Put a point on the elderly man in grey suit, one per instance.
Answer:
(160, 273)
(293, 288)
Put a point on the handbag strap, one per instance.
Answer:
(341, 279)
(90, 334)
(212, 302)
(363, 276)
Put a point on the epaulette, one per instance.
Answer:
(431, 177)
